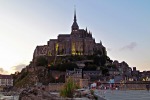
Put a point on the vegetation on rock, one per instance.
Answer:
(24, 80)
(69, 88)
(41, 61)
(64, 66)
(44, 65)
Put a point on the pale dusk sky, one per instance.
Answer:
(123, 26)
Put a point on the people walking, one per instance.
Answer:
(147, 87)
(112, 82)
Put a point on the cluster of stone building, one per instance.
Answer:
(124, 72)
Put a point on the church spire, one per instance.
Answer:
(75, 15)
(75, 26)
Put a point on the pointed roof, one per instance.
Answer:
(89, 32)
(86, 29)
(100, 42)
(75, 15)
(75, 25)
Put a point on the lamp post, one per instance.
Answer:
(56, 78)
(56, 81)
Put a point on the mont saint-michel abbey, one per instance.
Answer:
(78, 42)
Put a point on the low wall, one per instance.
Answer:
(54, 86)
(137, 85)
(84, 83)
(134, 85)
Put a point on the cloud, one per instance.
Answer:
(2, 71)
(130, 46)
(18, 67)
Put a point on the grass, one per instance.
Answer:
(24, 82)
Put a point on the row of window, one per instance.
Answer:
(6, 81)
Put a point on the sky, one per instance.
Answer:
(123, 26)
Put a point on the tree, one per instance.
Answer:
(64, 66)
(90, 68)
(96, 60)
(41, 61)
(100, 60)
(104, 70)
(103, 60)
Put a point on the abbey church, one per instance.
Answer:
(78, 42)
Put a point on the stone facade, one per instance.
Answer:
(55, 86)
(6, 80)
(84, 83)
(76, 75)
(41, 51)
(78, 42)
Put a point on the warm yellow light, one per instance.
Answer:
(56, 46)
(73, 49)
(49, 53)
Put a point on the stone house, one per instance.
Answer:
(6, 80)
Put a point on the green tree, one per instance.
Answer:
(96, 60)
(103, 59)
(104, 70)
(64, 67)
(90, 67)
(100, 60)
(41, 61)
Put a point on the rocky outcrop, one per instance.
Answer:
(36, 94)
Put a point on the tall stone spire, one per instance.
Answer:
(75, 26)
(75, 20)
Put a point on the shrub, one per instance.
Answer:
(41, 61)
(68, 89)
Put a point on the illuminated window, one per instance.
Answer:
(73, 49)
(49, 53)
(56, 46)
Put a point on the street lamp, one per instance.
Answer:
(56, 78)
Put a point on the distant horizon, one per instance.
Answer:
(122, 26)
